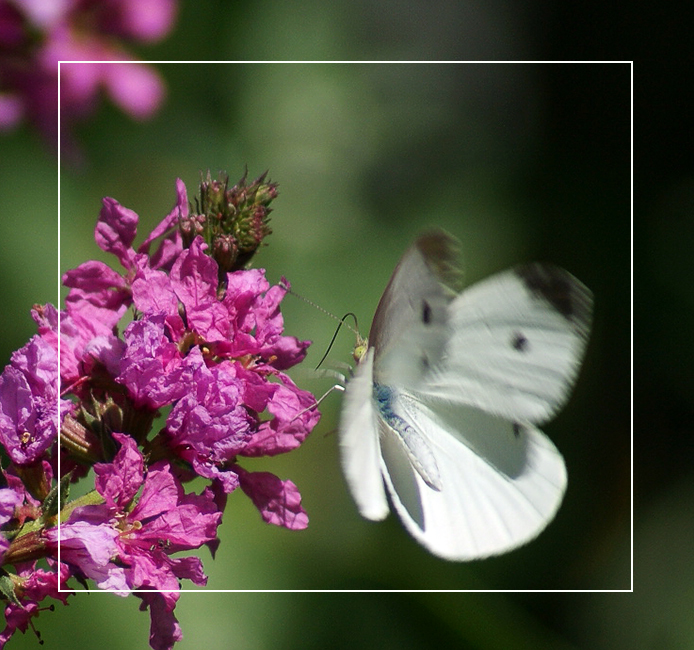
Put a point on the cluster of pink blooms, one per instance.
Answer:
(206, 339)
(36, 34)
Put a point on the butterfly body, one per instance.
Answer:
(441, 410)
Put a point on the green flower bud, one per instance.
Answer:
(233, 221)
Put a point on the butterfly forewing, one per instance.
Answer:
(413, 312)
(516, 343)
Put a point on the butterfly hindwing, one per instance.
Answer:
(359, 444)
(500, 483)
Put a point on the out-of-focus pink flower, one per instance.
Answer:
(10, 111)
(35, 35)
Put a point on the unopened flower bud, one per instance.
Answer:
(266, 193)
(225, 251)
(233, 221)
(213, 195)
(191, 227)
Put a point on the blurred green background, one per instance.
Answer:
(521, 162)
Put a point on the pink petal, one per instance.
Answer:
(136, 87)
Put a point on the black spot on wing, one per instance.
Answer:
(519, 342)
(426, 312)
(424, 363)
(517, 429)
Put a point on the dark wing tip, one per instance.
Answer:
(441, 252)
(567, 295)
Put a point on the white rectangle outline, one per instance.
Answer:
(385, 591)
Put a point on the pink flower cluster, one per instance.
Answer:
(36, 34)
(207, 343)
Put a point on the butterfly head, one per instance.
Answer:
(360, 348)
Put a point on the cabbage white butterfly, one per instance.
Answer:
(441, 409)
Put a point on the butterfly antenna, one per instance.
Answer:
(337, 330)
(319, 308)
(354, 330)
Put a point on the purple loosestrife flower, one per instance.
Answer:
(239, 338)
(100, 294)
(10, 500)
(34, 36)
(206, 341)
(32, 585)
(243, 326)
(126, 543)
(28, 585)
(29, 402)
(216, 356)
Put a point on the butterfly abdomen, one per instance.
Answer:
(412, 440)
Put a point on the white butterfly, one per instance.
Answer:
(443, 403)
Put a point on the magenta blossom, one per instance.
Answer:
(32, 584)
(35, 584)
(228, 347)
(100, 294)
(202, 337)
(125, 547)
(29, 402)
(10, 500)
